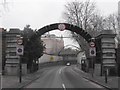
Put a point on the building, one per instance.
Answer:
(2, 49)
(69, 55)
(53, 46)
(119, 17)
(11, 62)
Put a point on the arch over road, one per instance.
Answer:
(67, 46)
(65, 26)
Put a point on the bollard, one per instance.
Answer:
(106, 75)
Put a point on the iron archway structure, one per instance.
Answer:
(66, 26)
(67, 46)
(69, 27)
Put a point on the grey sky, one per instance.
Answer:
(39, 13)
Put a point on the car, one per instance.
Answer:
(68, 64)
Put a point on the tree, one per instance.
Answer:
(80, 14)
(4, 6)
(111, 22)
(33, 49)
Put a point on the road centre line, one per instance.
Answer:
(63, 86)
(60, 70)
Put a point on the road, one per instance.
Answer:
(62, 77)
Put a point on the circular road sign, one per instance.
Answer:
(92, 44)
(19, 50)
(61, 27)
(19, 41)
(92, 52)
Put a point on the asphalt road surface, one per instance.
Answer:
(62, 77)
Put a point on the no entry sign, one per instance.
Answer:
(92, 44)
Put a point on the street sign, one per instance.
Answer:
(61, 27)
(51, 58)
(92, 51)
(19, 41)
(20, 50)
(92, 44)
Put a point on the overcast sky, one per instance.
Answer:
(39, 13)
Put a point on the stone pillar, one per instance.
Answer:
(107, 50)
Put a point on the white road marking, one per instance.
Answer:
(60, 70)
(63, 86)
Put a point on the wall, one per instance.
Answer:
(80, 56)
(53, 46)
(0, 50)
(47, 58)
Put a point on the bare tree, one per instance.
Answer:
(111, 22)
(80, 14)
(4, 6)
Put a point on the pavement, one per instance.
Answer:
(13, 81)
(112, 81)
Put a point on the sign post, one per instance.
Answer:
(92, 52)
(20, 51)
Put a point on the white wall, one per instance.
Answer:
(53, 46)
(47, 58)
(80, 56)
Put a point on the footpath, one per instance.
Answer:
(113, 82)
(11, 82)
